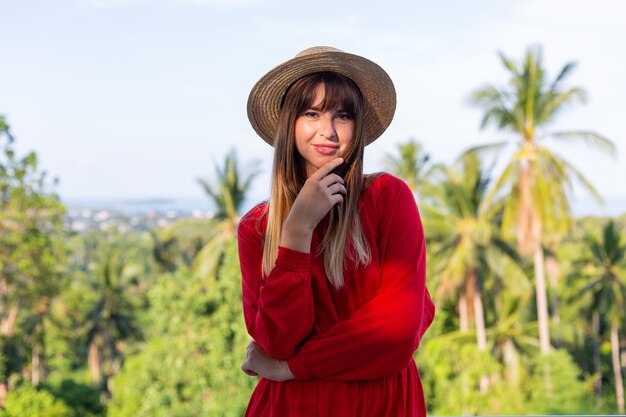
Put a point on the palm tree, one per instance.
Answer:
(177, 245)
(604, 266)
(411, 165)
(464, 237)
(536, 183)
(511, 339)
(111, 319)
(228, 193)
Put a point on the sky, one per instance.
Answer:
(137, 99)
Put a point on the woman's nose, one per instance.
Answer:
(327, 127)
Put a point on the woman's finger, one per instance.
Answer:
(336, 199)
(337, 188)
(325, 169)
(331, 179)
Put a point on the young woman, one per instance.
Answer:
(333, 266)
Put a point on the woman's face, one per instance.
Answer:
(322, 136)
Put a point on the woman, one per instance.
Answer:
(333, 266)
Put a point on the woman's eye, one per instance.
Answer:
(343, 116)
(309, 114)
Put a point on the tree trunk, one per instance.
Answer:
(38, 362)
(463, 321)
(597, 365)
(464, 327)
(110, 387)
(481, 334)
(8, 316)
(8, 322)
(553, 271)
(623, 356)
(529, 232)
(617, 370)
(94, 364)
(542, 302)
(511, 362)
(527, 237)
(35, 367)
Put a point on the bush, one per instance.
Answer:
(28, 401)
(83, 399)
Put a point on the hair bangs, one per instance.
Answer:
(340, 93)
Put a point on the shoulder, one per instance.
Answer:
(253, 222)
(389, 195)
(254, 214)
(395, 206)
(383, 194)
(385, 184)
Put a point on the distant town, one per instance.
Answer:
(123, 216)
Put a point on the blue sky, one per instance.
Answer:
(137, 98)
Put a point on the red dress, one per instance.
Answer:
(350, 350)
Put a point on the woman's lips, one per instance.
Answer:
(326, 150)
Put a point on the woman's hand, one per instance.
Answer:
(320, 193)
(259, 363)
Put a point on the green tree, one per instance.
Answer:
(227, 192)
(31, 257)
(412, 165)
(604, 268)
(111, 320)
(536, 182)
(177, 245)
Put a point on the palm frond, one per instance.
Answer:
(573, 171)
(508, 63)
(485, 148)
(588, 137)
(565, 71)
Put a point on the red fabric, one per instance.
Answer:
(350, 350)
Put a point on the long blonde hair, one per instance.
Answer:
(343, 224)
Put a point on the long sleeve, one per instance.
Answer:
(379, 339)
(278, 310)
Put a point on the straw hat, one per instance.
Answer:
(379, 95)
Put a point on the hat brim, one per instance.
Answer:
(379, 95)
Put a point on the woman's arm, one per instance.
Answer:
(278, 310)
(380, 338)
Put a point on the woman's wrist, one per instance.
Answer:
(284, 372)
(296, 236)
